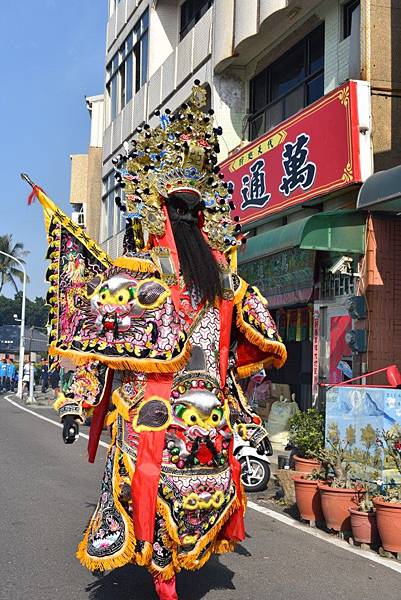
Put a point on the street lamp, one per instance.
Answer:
(22, 332)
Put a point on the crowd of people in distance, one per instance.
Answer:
(8, 375)
(41, 375)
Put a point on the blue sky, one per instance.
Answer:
(53, 56)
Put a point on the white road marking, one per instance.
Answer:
(369, 555)
(390, 564)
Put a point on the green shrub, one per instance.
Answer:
(306, 432)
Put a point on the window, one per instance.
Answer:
(128, 69)
(292, 82)
(348, 10)
(78, 214)
(111, 213)
(191, 12)
(111, 86)
(113, 6)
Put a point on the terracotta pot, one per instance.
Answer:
(306, 465)
(336, 503)
(364, 527)
(388, 515)
(308, 499)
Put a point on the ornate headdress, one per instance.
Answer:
(179, 155)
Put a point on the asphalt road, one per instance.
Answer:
(49, 490)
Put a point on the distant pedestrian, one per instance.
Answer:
(44, 374)
(26, 375)
(54, 377)
(10, 375)
(3, 374)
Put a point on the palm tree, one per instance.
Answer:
(10, 271)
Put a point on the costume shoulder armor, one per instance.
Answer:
(258, 329)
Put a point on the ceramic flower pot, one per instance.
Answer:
(364, 527)
(388, 515)
(306, 465)
(308, 499)
(336, 503)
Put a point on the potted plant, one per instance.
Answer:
(388, 504)
(307, 495)
(339, 493)
(306, 432)
(363, 519)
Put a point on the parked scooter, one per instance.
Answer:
(252, 448)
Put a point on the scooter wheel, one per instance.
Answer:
(258, 477)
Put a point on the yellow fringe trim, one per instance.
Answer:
(128, 463)
(233, 258)
(60, 401)
(110, 418)
(164, 574)
(50, 210)
(135, 263)
(144, 558)
(121, 405)
(144, 365)
(224, 546)
(190, 561)
(257, 339)
(251, 369)
(126, 553)
(240, 293)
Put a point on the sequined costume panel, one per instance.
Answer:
(196, 494)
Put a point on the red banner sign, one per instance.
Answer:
(311, 154)
(315, 356)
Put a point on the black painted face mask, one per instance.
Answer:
(199, 268)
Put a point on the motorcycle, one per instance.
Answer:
(252, 448)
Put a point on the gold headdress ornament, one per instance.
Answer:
(179, 155)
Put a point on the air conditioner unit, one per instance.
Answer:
(356, 306)
(357, 340)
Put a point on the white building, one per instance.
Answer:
(156, 48)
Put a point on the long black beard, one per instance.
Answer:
(199, 268)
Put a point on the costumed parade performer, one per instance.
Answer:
(160, 337)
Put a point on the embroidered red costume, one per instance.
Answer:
(158, 362)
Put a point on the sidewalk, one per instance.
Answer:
(40, 398)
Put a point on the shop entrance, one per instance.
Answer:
(335, 360)
(295, 327)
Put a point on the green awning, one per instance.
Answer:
(381, 191)
(340, 231)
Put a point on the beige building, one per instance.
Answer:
(86, 173)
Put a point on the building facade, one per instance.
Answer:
(298, 86)
(86, 173)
